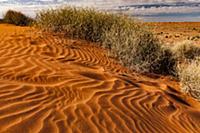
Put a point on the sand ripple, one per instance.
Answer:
(49, 84)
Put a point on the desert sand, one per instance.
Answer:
(50, 84)
(177, 32)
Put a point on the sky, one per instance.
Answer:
(147, 10)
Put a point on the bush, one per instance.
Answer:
(139, 50)
(1, 20)
(188, 67)
(127, 39)
(85, 24)
(17, 18)
(186, 50)
(189, 75)
(166, 63)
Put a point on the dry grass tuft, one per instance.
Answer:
(166, 63)
(186, 50)
(189, 75)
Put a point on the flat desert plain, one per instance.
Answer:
(49, 84)
(177, 32)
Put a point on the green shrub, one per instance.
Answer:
(127, 39)
(17, 18)
(189, 75)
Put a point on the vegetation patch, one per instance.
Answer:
(126, 38)
(17, 18)
(187, 70)
(1, 20)
(186, 50)
(189, 75)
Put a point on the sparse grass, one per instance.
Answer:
(195, 37)
(127, 39)
(17, 18)
(189, 75)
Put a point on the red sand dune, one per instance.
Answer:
(49, 84)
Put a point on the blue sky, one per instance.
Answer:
(141, 8)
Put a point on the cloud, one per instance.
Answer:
(131, 7)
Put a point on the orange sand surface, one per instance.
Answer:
(176, 32)
(49, 84)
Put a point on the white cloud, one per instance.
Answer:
(31, 6)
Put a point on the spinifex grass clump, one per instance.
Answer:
(17, 18)
(189, 75)
(127, 39)
(188, 68)
(137, 49)
(78, 23)
(186, 50)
